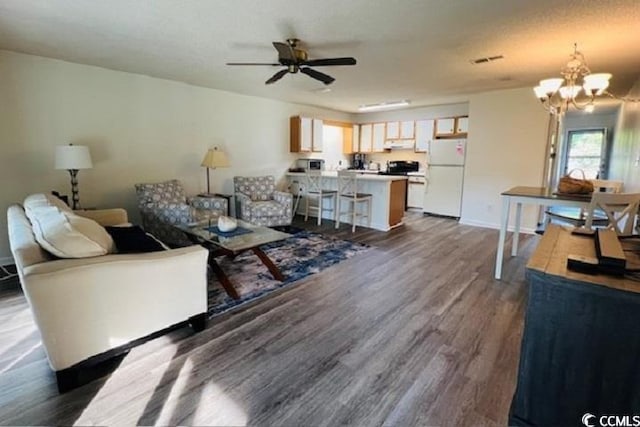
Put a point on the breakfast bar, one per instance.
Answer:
(388, 196)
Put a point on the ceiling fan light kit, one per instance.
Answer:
(558, 94)
(295, 59)
(384, 105)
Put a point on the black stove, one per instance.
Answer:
(401, 167)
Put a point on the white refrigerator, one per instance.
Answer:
(445, 173)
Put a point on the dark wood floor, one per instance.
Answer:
(413, 332)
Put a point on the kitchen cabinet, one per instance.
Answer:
(407, 130)
(316, 140)
(378, 137)
(355, 144)
(462, 125)
(424, 135)
(393, 130)
(452, 127)
(366, 138)
(305, 134)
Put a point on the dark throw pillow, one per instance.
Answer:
(132, 240)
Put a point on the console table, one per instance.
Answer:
(581, 344)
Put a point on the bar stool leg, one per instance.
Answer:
(355, 215)
(338, 212)
(320, 199)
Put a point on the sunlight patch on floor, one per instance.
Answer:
(216, 408)
(115, 405)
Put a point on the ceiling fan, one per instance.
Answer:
(296, 59)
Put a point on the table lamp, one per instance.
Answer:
(214, 159)
(73, 158)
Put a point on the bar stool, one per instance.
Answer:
(348, 190)
(315, 190)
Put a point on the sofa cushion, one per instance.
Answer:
(40, 199)
(133, 239)
(67, 235)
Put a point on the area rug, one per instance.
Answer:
(302, 254)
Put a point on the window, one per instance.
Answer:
(586, 149)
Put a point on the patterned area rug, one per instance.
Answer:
(300, 255)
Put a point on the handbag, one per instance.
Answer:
(570, 185)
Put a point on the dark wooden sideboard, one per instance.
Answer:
(580, 349)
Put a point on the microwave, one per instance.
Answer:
(311, 164)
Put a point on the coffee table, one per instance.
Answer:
(202, 233)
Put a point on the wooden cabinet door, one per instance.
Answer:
(424, 134)
(356, 139)
(445, 126)
(306, 134)
(462, 125)
(316, 145)
(407, 130)
(366, 134)
(378, 137)
(393, 130)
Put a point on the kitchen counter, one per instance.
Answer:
(387, 202)
(365, 176)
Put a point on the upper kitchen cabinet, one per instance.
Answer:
(316, 140)
(453, 127)
(366, 138)
(393, 130)
(400, 130)
(378, 137)
(424, 135)
(462, 125)
(355, 143)
(305, 134)
(407, 130)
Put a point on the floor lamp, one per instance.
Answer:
(73, 158)
(214, 159)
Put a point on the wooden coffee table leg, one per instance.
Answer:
(275, 271)
(223, 278)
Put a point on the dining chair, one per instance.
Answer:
(348, 186)
(621, 210)
(316, 191)
(578, 216)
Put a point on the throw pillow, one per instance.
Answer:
(67, 235)
(131, 240)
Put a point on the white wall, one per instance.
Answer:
(505, 148)
(625, 157)
(138, 128)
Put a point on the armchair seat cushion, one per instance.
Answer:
(268, 208)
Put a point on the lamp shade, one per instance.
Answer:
(215, 159)
(73, 157)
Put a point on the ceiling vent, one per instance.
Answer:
(486, 60)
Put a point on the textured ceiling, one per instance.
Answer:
(414, 49)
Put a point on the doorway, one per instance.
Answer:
(587, 149)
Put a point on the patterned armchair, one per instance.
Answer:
(258, 202)
(164, 204)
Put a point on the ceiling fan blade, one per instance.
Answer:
(317, 75)
(277, 76)
(329, 61)
(253, 63)
(285, 53)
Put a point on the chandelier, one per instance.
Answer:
(578, 87)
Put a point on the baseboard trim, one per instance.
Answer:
(525, 230)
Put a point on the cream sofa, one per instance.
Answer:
(90, 309)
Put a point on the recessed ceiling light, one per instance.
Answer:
(322, 90)
(384, 105)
